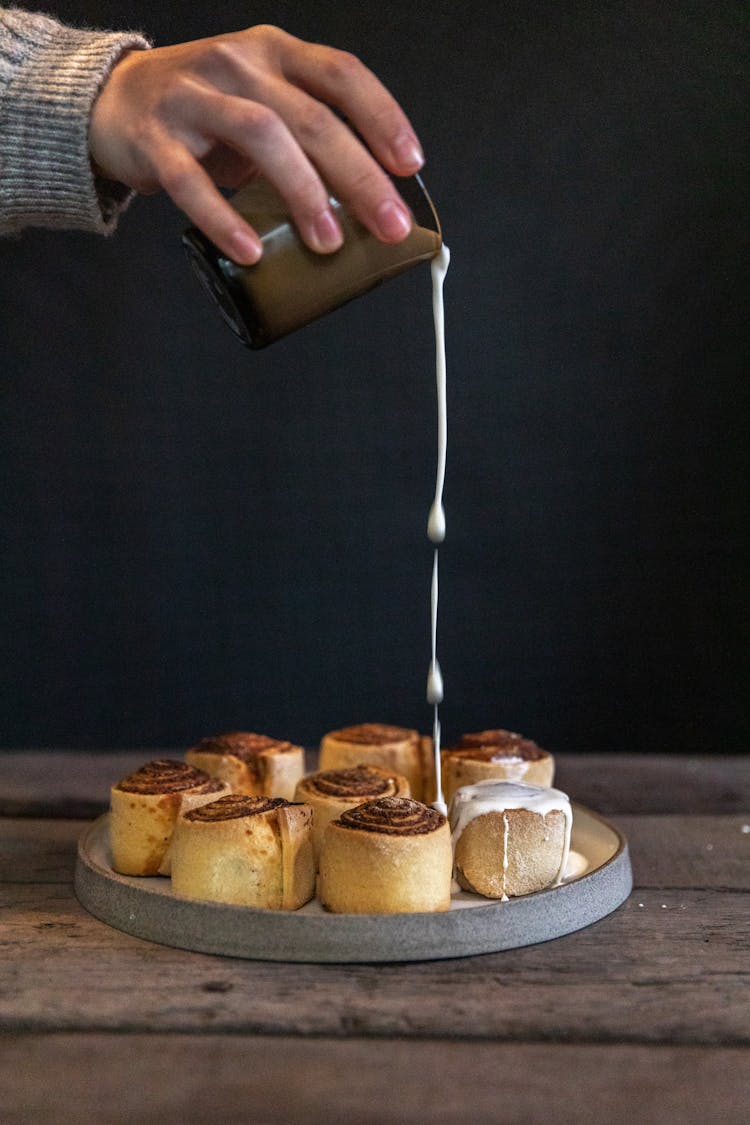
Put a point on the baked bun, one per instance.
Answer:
(494, 754)
(331, 792)
(391, 856)
(397, 749)
(253, 764)
(509, 838)
(144, 809)
(248, 851)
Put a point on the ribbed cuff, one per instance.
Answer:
(52, 77)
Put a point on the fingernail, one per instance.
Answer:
(394, 221)
(246, 248)
(326, 232)
(407, 151)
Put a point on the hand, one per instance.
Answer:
(218, 111)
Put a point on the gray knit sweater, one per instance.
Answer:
(49, 78)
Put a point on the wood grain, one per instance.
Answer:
(76, 783)
(642, 1017)
(667, 967)
(189, 1080)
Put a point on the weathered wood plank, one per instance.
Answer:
(72, 783)
(38, 851)
(667, 851)
(689, 851)
(67, 783)
(667, 967)
(656, 783)
(188, 1080)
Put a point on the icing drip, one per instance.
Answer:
(500, 796)
(506, 831)
(436, 519)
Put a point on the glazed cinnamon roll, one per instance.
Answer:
(398, 749)
(494, 754)
(144, 808)
(391, 856)
(253, 764)
(249, 851)
(331, 792)
(509, 838)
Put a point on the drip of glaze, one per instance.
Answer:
(498, 796)
(434, 676)
(506, 833)
(436, 519)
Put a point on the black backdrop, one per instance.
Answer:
(199, 538)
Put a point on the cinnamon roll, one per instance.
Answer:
(494, 754)
(331, 792)
(391, 856)
(249, 851)
(144, 808)
(253, 764)
(509, 838)
(397, 749)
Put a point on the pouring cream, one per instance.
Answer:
(436, 520)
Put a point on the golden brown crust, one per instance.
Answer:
(373, 734)
(144, 808)
(250, 851)
(493, 745)
(331, 792)
(253, 764)
(244, 744)
(494, 754)
(400, 749)
(494, 737)
(393, 816)
(361, 782)
(164, 775)
(391, 856)
(235, 805)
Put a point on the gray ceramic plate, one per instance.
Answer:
(599, 881)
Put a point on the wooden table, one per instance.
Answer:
(643, 1017)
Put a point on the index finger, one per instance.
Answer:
(192, 189)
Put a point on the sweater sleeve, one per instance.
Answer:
(50, 76)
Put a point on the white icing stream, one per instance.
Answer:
(499, 796)
(436, 520)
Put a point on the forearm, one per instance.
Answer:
(50, 76)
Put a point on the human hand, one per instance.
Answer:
(217, 111)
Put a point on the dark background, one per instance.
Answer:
(199, 538)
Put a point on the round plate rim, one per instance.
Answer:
(269, 935)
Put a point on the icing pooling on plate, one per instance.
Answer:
(436, 520)
(491, 796)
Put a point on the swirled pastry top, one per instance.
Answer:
(496, 746)
(359, 781)
(234, 806)
(373, 734)
(167, 776)
(244, 745)
(393, 816)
